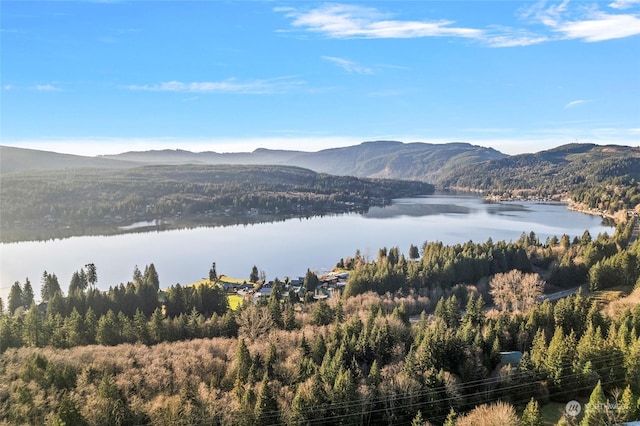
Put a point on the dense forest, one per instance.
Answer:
(417, 339)
(56, 203)
(599, 177)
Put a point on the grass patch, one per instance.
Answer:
(204, 281)
(611, 294)
(625, 301)
(552, 413)
(226, 279)
(235, 301)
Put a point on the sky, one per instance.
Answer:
(102, 77)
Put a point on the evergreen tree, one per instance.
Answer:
(531, 415)
(77, 283)
(628, 405)
(451, 418)
(290, 318)
(137, 275)
(413, 252)
(90, 326)
(267, 411)
(150, 277)
(68, 413)
(374, 378)
(140, 328)
(157, 332)
(243, 360)
(107, 332)
(559, 360)
(92, 274)
(15, 297)
(75, 328)
(50, 286)
(418, 420)
(213, 274)
(310, 282)
(254, 276)
(27, 294)
(32, 328)
(310, 402)
(270, 361)
(594, 411)
(322, 313)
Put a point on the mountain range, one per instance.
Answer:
(455, 164)
(380, 159)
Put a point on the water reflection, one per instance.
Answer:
(288, 247)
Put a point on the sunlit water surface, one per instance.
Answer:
(289, 247)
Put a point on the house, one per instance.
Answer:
(511, 358)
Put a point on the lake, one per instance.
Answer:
(288, 248)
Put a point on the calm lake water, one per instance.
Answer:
(288, 248)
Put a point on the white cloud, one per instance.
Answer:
(575, 103)
(560, 22)
(255, 87)
(46, 88)
(515, 40)
(351, 21)
(587, 24)
(601, 27)
(348, 66)
(623, 4)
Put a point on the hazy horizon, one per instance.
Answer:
(91, 150)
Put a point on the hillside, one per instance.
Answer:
(65, 201)
(603, 178)
(556, 171)
(380, 159)
(559, 167)
(20, 159)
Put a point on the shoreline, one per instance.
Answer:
(617, 217)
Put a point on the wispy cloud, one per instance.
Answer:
(575, 103)
(623, 4)
(348, 66)
(254, 87)
(514, 39)
(38, 87)
(353, 21)
(46, 88)
(587, 24)
(559, 22)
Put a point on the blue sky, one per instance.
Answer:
(106, 77)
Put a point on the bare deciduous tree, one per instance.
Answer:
(254, 322)
(515, 291)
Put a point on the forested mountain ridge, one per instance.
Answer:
(599, 177)
(602, 177)
(63, 200)
(557, 169)
(380, 159)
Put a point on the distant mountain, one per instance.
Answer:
(555, 170)
(20, 159)
(380, 159)
(454, 164)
